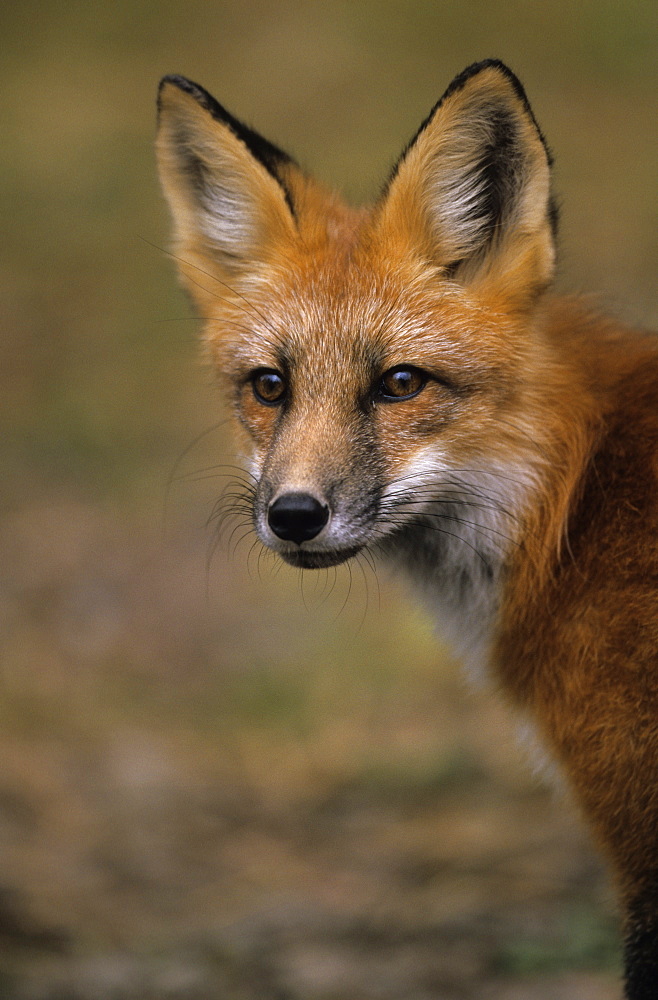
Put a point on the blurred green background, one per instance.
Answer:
(219, 779)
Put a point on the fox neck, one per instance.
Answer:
(493, 537)
(456, 552)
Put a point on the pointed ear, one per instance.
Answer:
(472, 188)
(225, 184)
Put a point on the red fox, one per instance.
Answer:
(405, 384)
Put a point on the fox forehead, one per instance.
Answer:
(334, 314)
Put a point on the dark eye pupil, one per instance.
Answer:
(269, 387)
(402, 381)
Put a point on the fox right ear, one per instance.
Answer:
(225, 185)
(472, 189)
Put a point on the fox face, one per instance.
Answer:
(371, 354)
(352, 432)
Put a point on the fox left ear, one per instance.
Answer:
(227, 189)
(472, 188)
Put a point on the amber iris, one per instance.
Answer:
(401, 383)
(269, 386)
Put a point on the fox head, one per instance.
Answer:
(377, 359)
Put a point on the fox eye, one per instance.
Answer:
(269, 386)
(401, 382)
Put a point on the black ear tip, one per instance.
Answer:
(503, 69)
(175, 78)
(188, 87)
(479, 67)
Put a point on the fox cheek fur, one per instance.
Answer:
(403, 383)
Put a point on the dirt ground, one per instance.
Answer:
(174, 824)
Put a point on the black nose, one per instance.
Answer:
(297, 517)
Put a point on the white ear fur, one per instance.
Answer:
(474, 183)
(220, 178)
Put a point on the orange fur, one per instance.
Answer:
(516, 482)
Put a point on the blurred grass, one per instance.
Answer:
(121, 656)
(582, 939)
